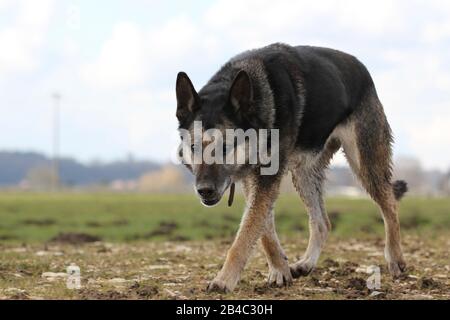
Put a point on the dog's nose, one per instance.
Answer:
(206, 192)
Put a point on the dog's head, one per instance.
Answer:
(205, 118)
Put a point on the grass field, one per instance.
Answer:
(37, 218)
(167, 246)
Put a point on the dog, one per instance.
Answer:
(320, 100)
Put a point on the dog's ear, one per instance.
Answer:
(241, 92)
(187, 97)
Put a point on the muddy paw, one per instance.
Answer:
(280, 277)
(397, 268)
(301, 269)
(218, 286)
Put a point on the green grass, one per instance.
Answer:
(32, 218)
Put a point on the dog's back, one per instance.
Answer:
(307, 91)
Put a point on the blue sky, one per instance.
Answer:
(115, 63)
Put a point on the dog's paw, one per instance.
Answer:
(302, 268)
(396, 269)
(219, 286)
(280, 277)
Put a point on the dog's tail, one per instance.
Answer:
(400, 188)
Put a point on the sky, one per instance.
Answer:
(115, 63)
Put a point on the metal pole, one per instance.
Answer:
(56, 132)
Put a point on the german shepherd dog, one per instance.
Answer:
(320, 100)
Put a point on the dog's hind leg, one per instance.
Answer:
(367, 143)
(308, 176)
(279, 272)
(253, 225)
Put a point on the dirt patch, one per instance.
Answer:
(120, 222)
(203, 224)
(263, 289)
(144, 291)
(179, 238)
(413, 221)
(340, 270)
(298, 227)
(350, 266)
(39, 222)
(164, 229)
(367, 228)
(357, 284)
(230, 218)
(312, 281)
(19, 296)
(75, 238)
(94, 224)
(88, 294)
(428, 283)
(6, 237)
(115, 223)
(329, 263)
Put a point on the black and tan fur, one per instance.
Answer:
(320, 100)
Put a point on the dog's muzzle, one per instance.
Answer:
(209, 196)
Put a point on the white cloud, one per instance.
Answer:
(430, 140)
(4, 4)
(255, 22)
(435, 32)
(414, 88)
(152, 124)
(174, 39)
(133, 54)
(23, 40)
(122, 60)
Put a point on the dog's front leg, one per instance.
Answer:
(253, 224)
(279, 271)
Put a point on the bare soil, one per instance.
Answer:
(181, 270)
